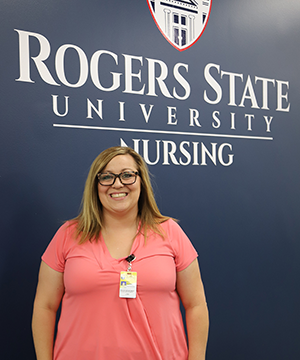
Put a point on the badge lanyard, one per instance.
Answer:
(128, 280)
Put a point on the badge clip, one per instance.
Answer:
(130, 259)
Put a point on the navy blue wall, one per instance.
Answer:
(233, 176)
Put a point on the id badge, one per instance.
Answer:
(128, 282)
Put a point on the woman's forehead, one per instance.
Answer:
(120, 163)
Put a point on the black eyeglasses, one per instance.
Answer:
(126, 178)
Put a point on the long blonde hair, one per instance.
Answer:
(90, 219)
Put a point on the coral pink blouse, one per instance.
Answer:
(95, 323)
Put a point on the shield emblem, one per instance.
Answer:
(181, 22)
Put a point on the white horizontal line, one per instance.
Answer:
(162, 132)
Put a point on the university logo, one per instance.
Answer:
(182, 22)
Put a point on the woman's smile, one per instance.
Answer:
(118, 195)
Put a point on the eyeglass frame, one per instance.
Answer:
(136, 173)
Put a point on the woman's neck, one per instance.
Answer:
(115, 221)
(119, 233)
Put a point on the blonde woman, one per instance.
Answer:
(119, 271)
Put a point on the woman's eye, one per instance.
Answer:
(106, 177)
(127, 176)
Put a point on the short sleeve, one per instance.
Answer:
(55, 253)
(184, 251)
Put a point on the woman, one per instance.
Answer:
(119, 270)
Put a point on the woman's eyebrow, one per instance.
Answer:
(125, 169)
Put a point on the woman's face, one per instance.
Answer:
(119, 199)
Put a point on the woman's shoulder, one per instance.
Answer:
(172, 229)
(67, 231)
(67, 226)
(61, 244)
(170, 224)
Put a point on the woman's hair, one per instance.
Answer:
(90, 219)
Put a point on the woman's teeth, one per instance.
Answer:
(118, 195)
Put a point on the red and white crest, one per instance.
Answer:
(182, 22)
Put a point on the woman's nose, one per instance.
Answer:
(118, 183)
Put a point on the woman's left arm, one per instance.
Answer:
(191, 291)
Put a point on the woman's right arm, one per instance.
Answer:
(48, 296)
